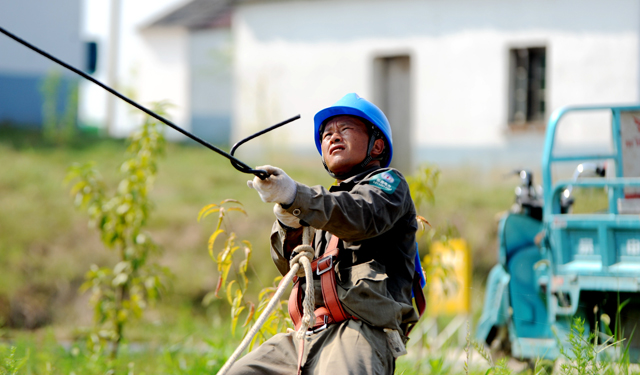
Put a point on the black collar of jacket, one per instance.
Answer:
(350, 182)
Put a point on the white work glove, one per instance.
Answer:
(285, 217)
(277, 188)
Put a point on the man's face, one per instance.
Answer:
(344, 143)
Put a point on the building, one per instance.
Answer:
(177, 51)
(462, 81)
(209, 62)
(168, 50)
(52, 26)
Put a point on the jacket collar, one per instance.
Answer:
(352, 181)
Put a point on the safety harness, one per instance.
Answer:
(332, 311)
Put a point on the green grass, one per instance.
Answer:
(45, 355)
(45, 244)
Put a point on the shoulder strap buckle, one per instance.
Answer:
(311, 331)
(324, 264)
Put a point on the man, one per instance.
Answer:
(368, 222)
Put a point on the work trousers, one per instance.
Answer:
(350, 347)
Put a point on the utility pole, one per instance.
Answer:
(112, 65)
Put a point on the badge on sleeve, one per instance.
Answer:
(386, 181)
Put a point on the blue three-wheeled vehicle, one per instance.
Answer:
(556, 262)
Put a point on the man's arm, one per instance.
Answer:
(283, 241)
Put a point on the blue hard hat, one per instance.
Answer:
(353, 105)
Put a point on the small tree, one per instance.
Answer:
(422, 185)
(233, 281)
(58, 128)
(123, 291)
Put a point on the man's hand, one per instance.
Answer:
(277, 188)
(286, 218)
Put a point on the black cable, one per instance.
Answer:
(239, 165)
(261, 132)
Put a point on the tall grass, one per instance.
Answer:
(47, 357)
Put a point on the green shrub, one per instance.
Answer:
(122, 292)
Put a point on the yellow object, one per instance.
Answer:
(450, 278)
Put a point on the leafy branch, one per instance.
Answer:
(123, 291)
(235, 288)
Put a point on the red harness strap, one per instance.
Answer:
(332, 311)
(421, 301)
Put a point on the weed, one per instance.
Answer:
(467, 350)
(236, 289)
(10, 365)
(499, 368)
(585, 355)
(423, 184)
(542, 367)
(186, 359)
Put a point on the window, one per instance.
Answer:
(527, 85)
(91, 62)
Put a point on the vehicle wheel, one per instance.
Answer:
(500, 341)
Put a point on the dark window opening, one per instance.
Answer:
(91, 63)
(527, 85)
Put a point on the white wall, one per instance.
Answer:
(299, 56)
(95, 27)
(152, 63)
(51, 26)
(160, 71)
(210, 84)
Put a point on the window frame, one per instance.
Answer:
(533, 86)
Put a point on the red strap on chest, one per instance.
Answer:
(421, 301)
(332, 312)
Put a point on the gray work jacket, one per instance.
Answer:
(374, 216)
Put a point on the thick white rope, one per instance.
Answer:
(308, 317)
(303, 257)
(309, 303)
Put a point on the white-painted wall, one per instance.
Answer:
(211, 84)
(50, 25)
(152, 63)
(160, 70)
(95, 27)
(300, 56)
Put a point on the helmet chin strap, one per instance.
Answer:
(363, 164)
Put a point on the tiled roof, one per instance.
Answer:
(198, 14)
